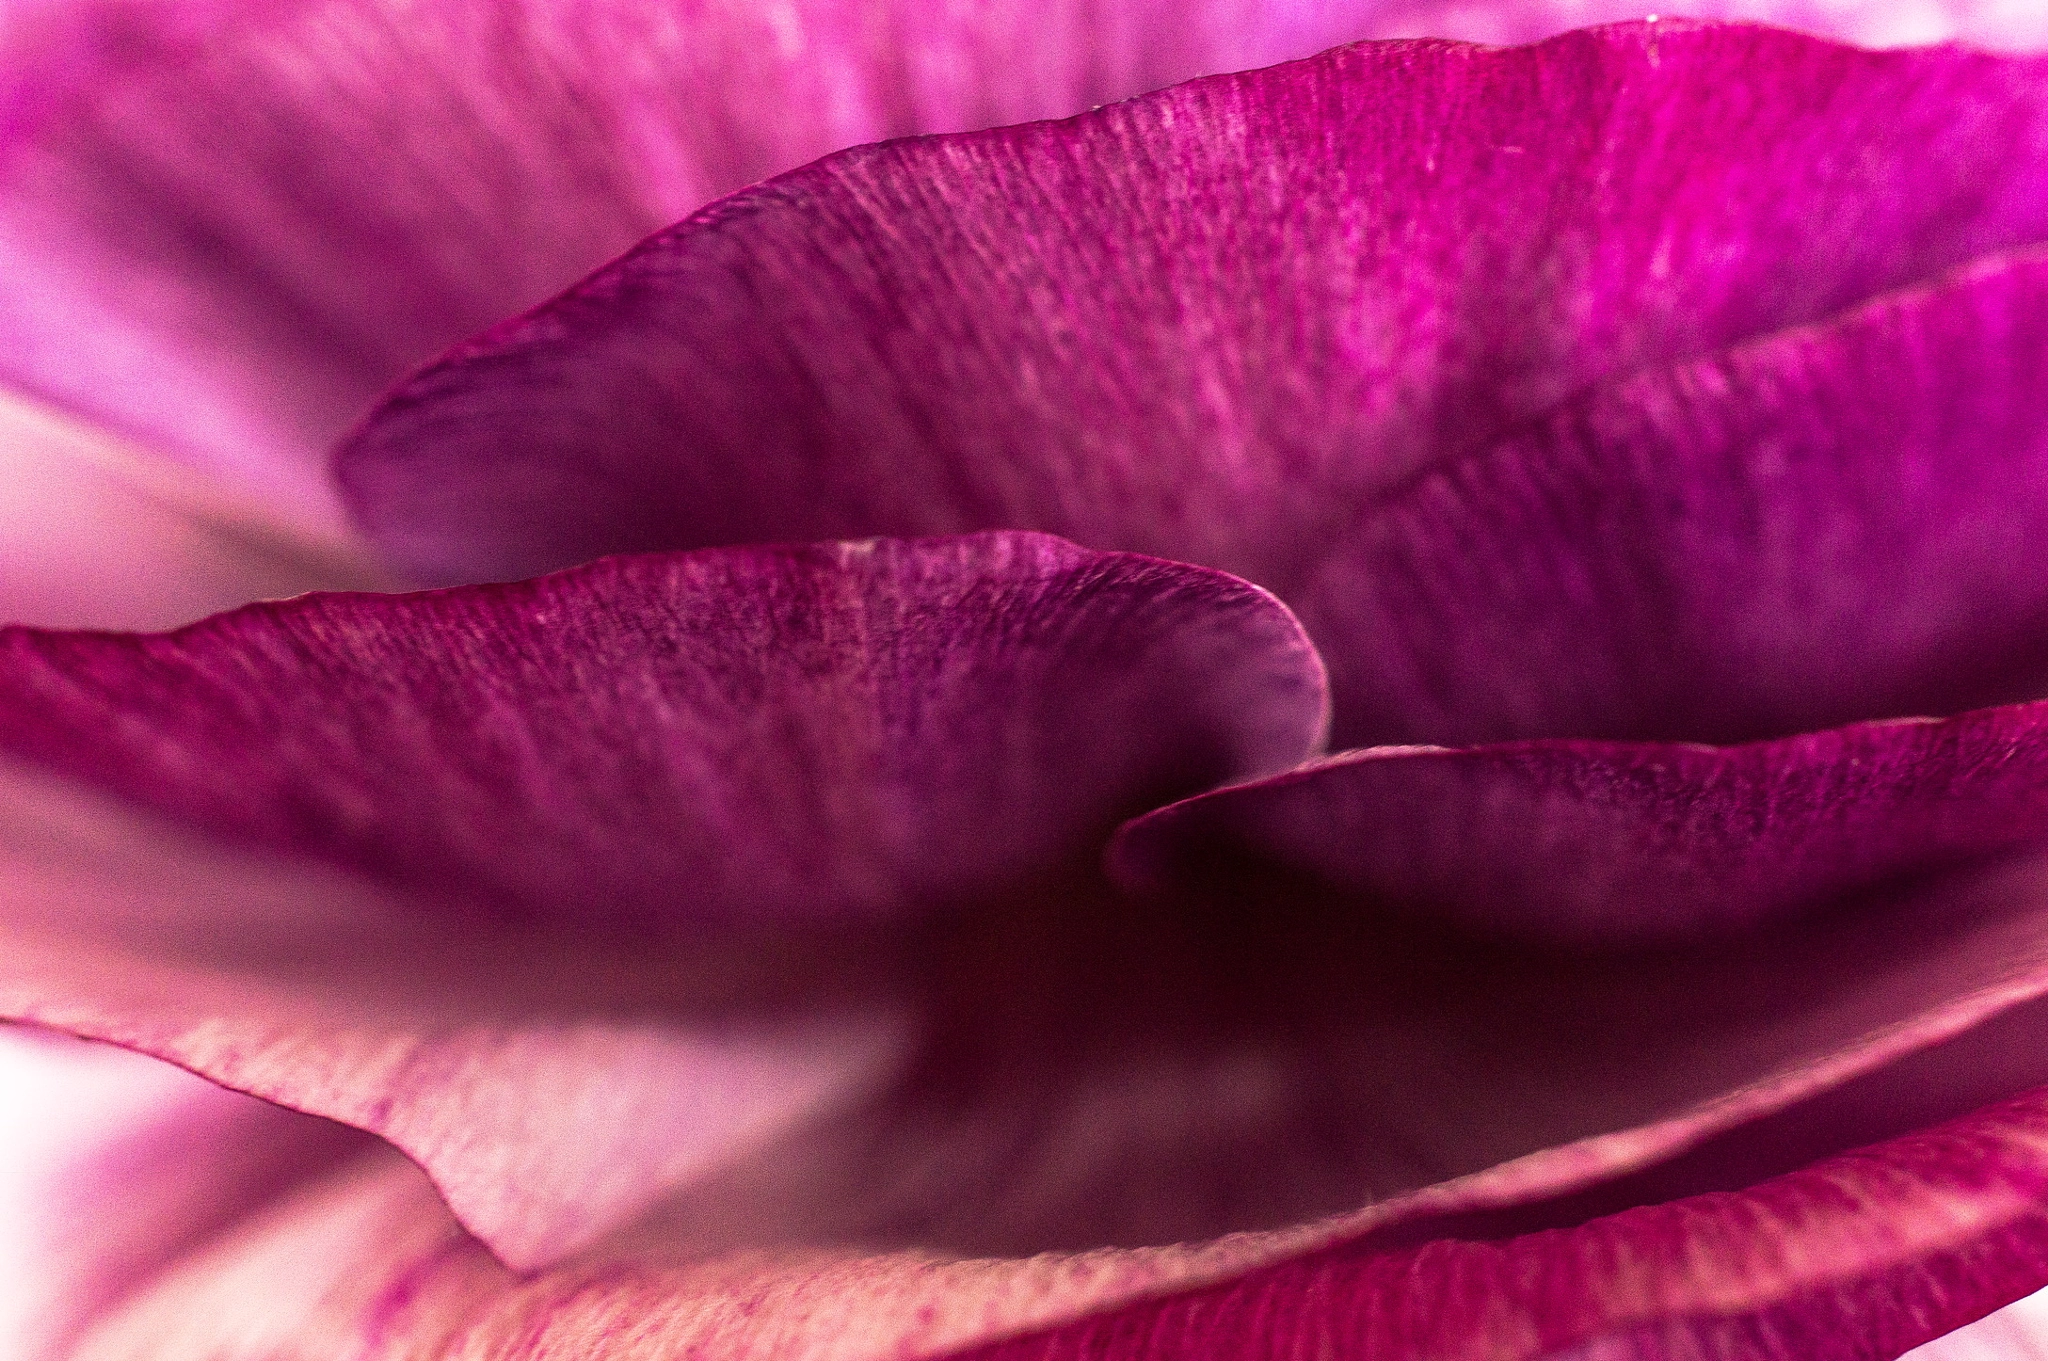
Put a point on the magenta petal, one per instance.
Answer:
(824, 734)
(567, 824)
(1862, 1256)
(1208, 323)
(226, 225)
(1828, 524)
(1621, 842)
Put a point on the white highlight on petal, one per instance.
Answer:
(2018, 1332)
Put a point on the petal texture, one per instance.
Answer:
(1862, 1255)
(567, 825)
(1215, 323)
(1831, 523)
(1620, 843)
(850, 729)
(224, 227)
(1866, 1255)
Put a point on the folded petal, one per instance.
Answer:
(747, 736)
(1864, 1255)
(101, 535)
(1211, 323)
(569, 887)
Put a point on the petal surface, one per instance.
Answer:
(113, 1166)
(1864, 1254)
(101, 535)
(739, 737)
(225, 227)
(1836, 522)
(509, 874)
(1214, 323)
(1610, 843)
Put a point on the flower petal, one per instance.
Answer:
(569, 826)
(224, 227)
(113, 1165)
(744, 736)
(1832, 523)
(1612, 843)
(2018, 1332)
(1863, 1255)
(102, 536)
(1212, 322)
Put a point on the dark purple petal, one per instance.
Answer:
(1213, 323)
(761, 735)
(571, 825)
(1621, 842)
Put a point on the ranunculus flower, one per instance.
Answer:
(1386, 707)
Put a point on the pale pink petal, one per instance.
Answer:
(2018, 1332)
(112, 1165)
(97, 534)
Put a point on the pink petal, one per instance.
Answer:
(99, 535)
(1862, 1255)
(1209, 323)
(569, 824)
(2018, 1332)
(113, 1165)
(225, 226)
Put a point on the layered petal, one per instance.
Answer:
(1864, 1255)
(571, 887)
(1613, 843)
(1861, 1255)
(1216, 323)
(225, 227)
(1832, 523)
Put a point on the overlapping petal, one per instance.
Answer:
(1618, 843)
(226, 226)
(1214, 323)
(1867, 1254)
(752, 895)
(1832, 523)
(509, 874)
